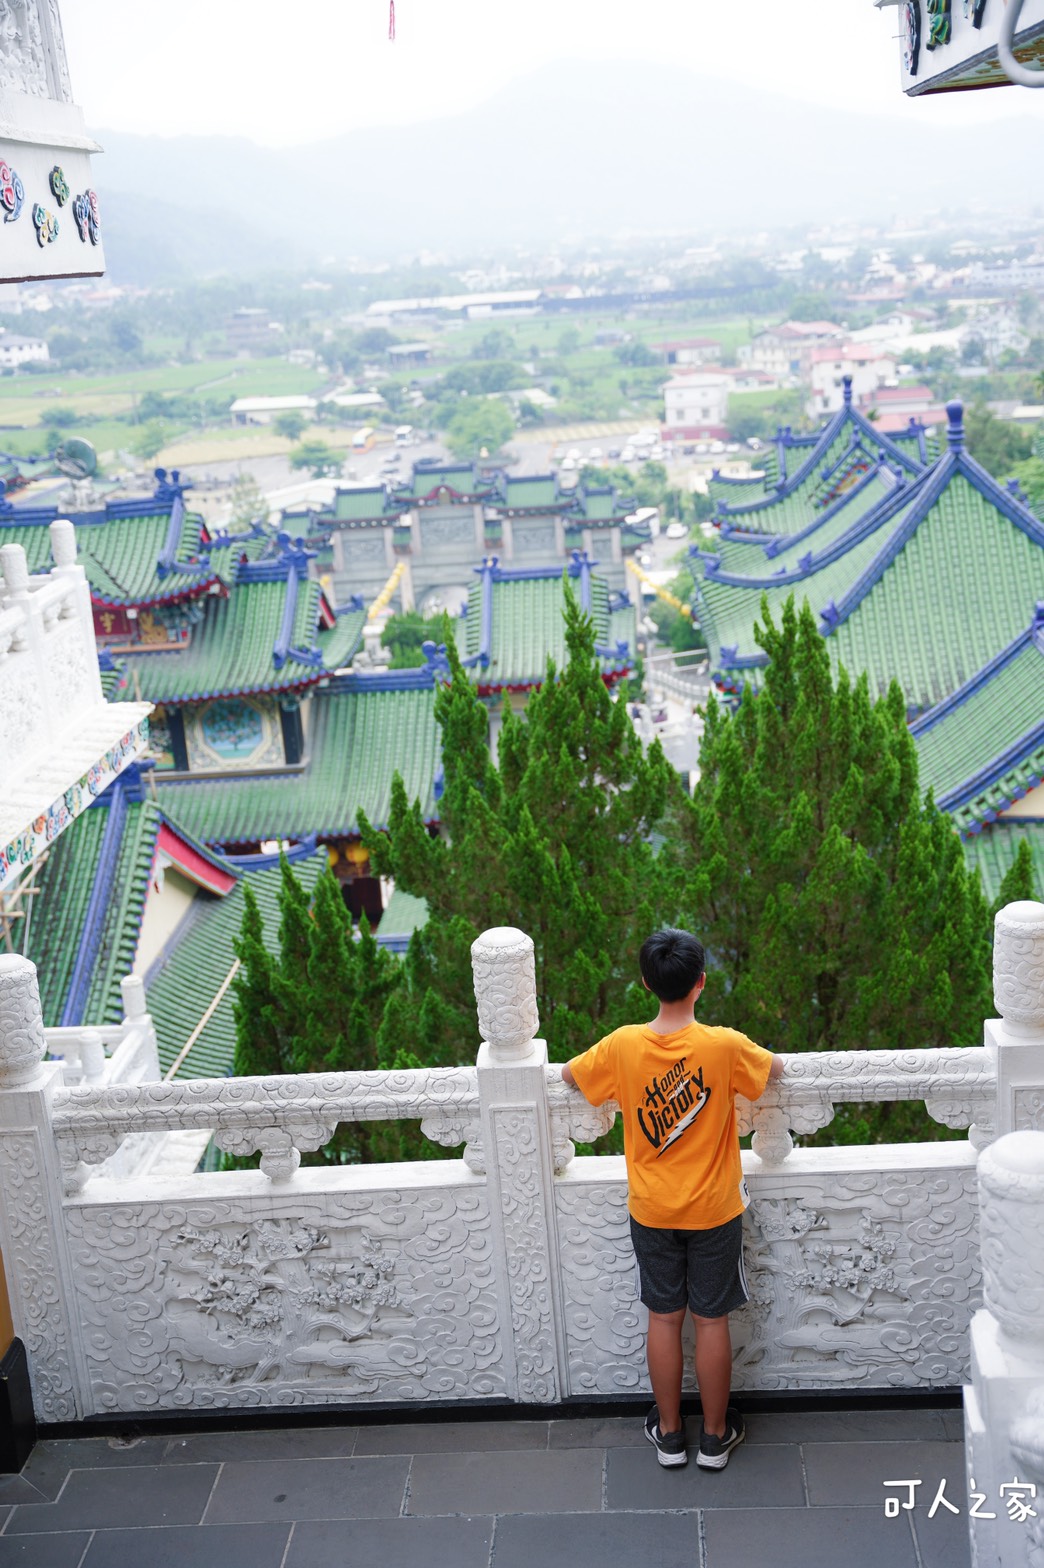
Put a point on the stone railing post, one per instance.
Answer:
(1004, 1435)
(32, 1231)
(1015, 1039)
(517, 1145)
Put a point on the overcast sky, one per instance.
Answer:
(283, 74)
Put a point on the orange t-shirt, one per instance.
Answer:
(677, 1094)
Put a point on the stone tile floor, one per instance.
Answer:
(804, 1491)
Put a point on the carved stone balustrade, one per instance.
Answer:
(505, 1274)
(1004, 1406)
(61, 743)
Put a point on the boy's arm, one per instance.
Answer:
(567, 1075)
(776, 1070)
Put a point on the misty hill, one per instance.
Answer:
(572, 151)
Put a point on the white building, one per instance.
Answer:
(786, 350)
(262, 410)
(697, 405)
(15, 350)
(869, 368)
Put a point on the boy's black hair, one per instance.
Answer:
(672, 962)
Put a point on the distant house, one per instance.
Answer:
(689, 351)
(786, 350)
(410, 353)
(262, 410)
(15, 350)
(249, 329)
(696, 405)
(861, 365)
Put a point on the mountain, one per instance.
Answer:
(572, 151)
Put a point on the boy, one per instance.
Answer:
(676, 1082)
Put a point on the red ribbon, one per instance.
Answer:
(391, 21)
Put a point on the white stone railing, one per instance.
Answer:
(123, 1053)
(61, 743)
(505, 1274)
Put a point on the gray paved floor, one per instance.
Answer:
(805, 1491)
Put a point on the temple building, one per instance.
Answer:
(981, 751)
(928, 581)
(450, 515)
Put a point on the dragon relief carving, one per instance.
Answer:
(241, 1303)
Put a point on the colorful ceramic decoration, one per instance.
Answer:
(59, 185)
(46, 225)
(940, 23)
(85, 212)
(911, 35)
(12, 192)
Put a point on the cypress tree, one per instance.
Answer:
(554, 839)
(263, 1030)
(1018, 881)
(835, 903)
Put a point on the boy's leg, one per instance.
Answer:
(713, 1369)
(664, 1352)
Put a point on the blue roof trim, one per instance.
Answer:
(775, 544)
(994, 770)
(809, 565)
(246, 863)
(981, 678)
(827, 436)
(93, 921)
(953, 461)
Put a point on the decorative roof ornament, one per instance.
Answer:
(955, 433)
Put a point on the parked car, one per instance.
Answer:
(614, 451)
(568, 465)
(627, 454)
(677, 531)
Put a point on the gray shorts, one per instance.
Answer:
(700, 1269)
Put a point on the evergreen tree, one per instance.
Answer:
(555, 840)
(318, 1007)
(835, 903)
(1018, 881)
(263, 1030)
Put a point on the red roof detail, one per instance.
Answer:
(197, 867)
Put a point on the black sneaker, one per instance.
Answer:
(714, 1451)
(669, 1446)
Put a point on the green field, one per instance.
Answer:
(589, 380)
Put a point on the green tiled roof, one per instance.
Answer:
(183, 985)
(535, 490)
(231, 651)
(984, 747)
(405, 914)
(600, 505)
(528, 628)
(927, 591)
(955, 594)
(65, 885)
(120, 554)
(364, 503)
(994, 849)
(747, 556)
(729, 611)
(847, 443)
(460, 477)
(356, 740)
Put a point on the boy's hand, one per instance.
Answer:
(567, 1076)
(776, 1070)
